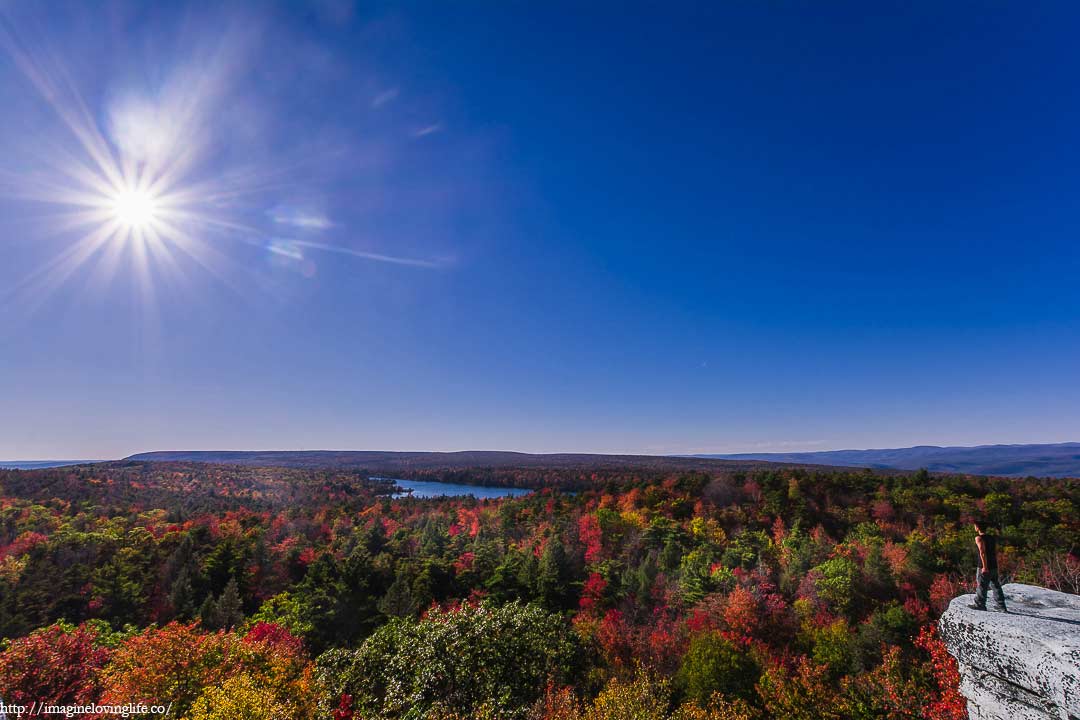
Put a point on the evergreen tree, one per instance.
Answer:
(182, 596)
(505, 582)
(225, 563)
(643, 578)
(228, 610)
(206, 611)
(671, 555)
(399, 600)
(552, 576)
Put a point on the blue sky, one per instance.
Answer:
(677, 228)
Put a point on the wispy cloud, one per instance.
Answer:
(285, 248)
(299, 218)
(378, 257)
(428, 130)
(386, 96)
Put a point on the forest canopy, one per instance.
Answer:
(236, 591)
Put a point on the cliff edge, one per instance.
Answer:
(1024, 665)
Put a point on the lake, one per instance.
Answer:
(39, 464)
(427, 489)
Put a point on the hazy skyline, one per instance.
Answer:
(536, 227)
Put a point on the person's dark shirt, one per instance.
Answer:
(990, 550)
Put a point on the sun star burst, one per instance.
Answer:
(135, 209)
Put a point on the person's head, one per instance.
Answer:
(981, 526)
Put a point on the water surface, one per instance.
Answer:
(39, 464)
(428, 489)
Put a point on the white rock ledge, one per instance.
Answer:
(1024, 665)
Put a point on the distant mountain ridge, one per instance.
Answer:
(1057, 460)
(388, 462)
(1051, 460)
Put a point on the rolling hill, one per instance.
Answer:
(388, 462)
(1055, 460)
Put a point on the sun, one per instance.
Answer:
(135, 209)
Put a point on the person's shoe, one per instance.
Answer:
(975, 606)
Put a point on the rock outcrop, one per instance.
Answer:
(1024, 665)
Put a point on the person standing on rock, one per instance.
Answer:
(987, 574)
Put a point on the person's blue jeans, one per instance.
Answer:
(984, 580)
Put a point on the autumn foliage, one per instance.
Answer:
(245, 592)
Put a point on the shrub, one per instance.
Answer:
(473, 659)
(715, 664)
